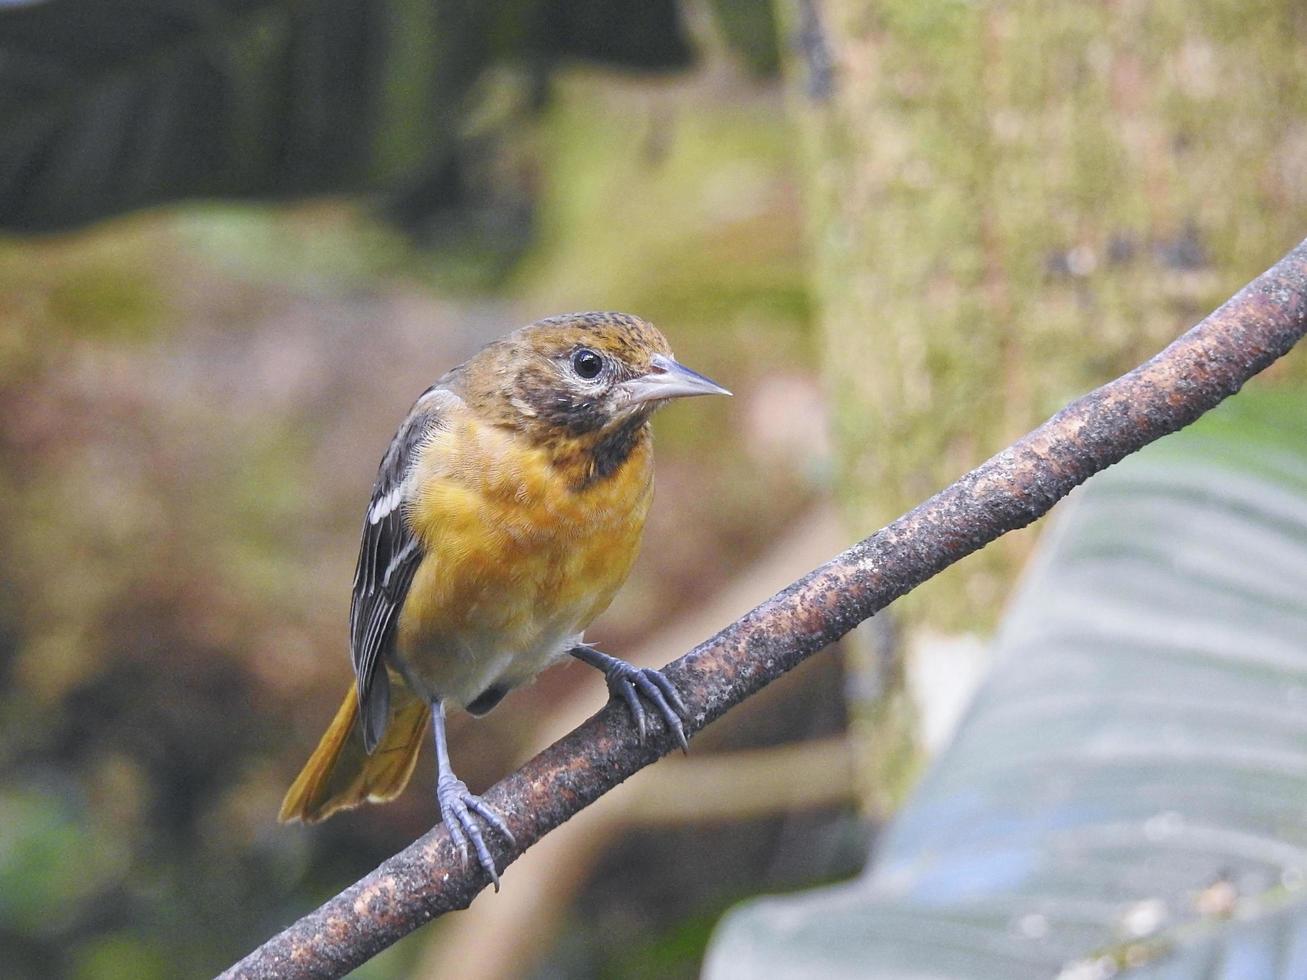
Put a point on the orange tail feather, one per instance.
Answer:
(340, 775)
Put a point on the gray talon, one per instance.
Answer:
(634, 685)
(487, 813)
(457, 806)
(669, 689)
(633, 682)
(632, 699)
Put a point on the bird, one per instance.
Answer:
(506, 514)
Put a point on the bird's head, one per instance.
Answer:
(580, 374)
(581, 381)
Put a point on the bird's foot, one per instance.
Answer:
(457, 806)
(632, 684)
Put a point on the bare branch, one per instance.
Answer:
(1008, 491)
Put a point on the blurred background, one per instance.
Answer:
(238, 237)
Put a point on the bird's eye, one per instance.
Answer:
(587, 364)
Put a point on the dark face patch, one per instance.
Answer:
(562, 401)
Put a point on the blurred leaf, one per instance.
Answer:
(749, 28)
(1266, 947)
(49, 859)
(120, 104)
(121, 956)
(1136, 764)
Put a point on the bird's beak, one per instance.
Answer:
(667, 379)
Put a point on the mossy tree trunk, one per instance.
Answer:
(1013, 201)
(1010, 203)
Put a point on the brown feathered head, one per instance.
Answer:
(578, 375)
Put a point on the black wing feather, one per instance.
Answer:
(389, 556)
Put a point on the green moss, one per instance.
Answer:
(1014, 203)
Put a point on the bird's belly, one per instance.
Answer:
(459, 667)
(507, 585)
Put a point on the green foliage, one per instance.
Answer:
(749, 28)
(668, 203)
(48, 860)
(121, 957)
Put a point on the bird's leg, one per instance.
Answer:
(457, 804)
(629, 682)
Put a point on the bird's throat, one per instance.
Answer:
(587, 460)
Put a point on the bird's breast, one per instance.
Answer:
(517, 563)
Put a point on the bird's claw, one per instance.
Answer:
(629, 683)
(457, 806)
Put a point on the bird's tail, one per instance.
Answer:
(340, 775)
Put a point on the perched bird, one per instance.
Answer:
(506, 514)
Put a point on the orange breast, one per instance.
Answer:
(516, 563)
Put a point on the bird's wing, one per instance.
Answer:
(389, 556)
